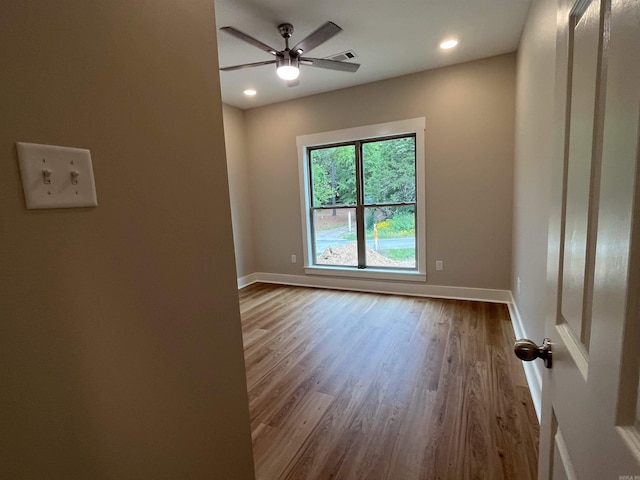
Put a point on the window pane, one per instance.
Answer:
(333, 176)
(389, 168)
(334, 236)
(391, 236)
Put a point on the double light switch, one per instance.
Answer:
(56, 177)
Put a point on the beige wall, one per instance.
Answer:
(469, 110)
(532, 175)
(239, 188)
(120, 343)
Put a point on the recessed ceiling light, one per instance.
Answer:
(446, 44)
(249, 92)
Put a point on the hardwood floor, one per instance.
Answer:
(348, 386)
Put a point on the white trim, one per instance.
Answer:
(356, 133)
(629, 435)
(247, 280)
(531, 369)
(418, 290)
(369, 273)
(565, 459)
(412, 125)
(575, 349)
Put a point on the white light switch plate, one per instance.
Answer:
(56, 177)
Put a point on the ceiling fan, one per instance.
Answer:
(288, 61)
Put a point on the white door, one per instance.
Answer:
(590, 414)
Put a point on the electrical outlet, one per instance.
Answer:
(294, 259)
(439, 265)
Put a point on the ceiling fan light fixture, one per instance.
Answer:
(288, 68)
(288, 72)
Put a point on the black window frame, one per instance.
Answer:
(360, 206)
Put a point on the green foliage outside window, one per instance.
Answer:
(389, 170)
(389, 173)
(334, 176)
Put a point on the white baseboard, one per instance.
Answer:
(247, 280)
(375, 286)
(531, 369)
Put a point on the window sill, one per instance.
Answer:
(368, 273)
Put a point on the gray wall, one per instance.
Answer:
(469, 110)
(532, 171)
(120, 342)
(240, 190)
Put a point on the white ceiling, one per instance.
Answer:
(390, 37)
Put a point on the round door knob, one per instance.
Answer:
(528, 351)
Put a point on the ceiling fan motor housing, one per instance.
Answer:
(287, 58)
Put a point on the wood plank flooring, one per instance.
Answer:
(349, 386)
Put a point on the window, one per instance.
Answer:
(363, 201)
